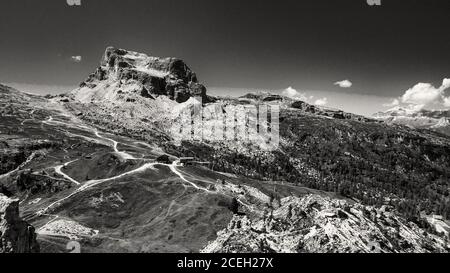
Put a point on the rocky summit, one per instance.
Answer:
(122, 72)
(16, 235)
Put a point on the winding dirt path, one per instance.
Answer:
(122, 154)
(92, 183)
(58, 170)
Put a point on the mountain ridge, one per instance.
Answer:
(435, 120)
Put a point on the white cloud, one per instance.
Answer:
(447, 102)
(393, 103)
(77, 59)
(344, 84)
(445, 84)
(290, 92)
(294, 94)
(424, 95)
(321, 102)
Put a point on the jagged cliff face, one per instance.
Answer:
(317, 224)
(16, 235)
(127, 75)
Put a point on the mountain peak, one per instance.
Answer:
(154, 66)
(122, 71)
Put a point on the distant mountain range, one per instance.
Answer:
(102, 165)
(436, 120)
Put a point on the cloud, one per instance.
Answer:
(422, 93)
(290, 92)
(76, 59)
(447, 102)
(445, 84)
(426, 94)
(344, 84)
(294, 94)
(321, 102)
(394, 102)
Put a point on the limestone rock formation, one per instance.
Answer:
(316, 224)
(16, 235)
(123, 71)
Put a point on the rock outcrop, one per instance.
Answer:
(315, 224)
(16, 235)
(123, 71)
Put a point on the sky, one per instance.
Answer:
(343, 54)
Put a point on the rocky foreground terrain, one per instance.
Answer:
(100, 165)
(16, 235)
(314, 223)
